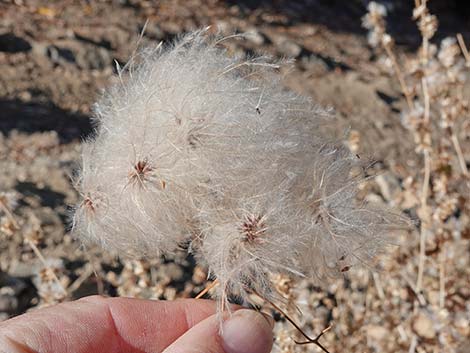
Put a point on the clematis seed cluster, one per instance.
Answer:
(200, 150)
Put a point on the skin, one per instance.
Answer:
(97, 324)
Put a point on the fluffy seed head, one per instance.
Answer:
(195, 141)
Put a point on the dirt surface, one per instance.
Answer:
(56, 57)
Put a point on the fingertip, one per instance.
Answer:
(248, 331)
(269, 319)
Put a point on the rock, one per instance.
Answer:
(11, 285)
(171, 27)
(10, 289)
(8, 303)
(94, 58)
(463, 346)
(254, 36)
(94, 38)
(377, 333)
(60, 54)
(288, 47)
(152, 31)
(10, 43)
(113, 37)
(173, 271)
(424, 327)
(86, 56)
(388, 185)
(314, 64)
(39, 48)
(21, 269)
(224, 27)
(199, 275)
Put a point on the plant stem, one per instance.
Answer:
(400, 76)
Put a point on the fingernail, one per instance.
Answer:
(247, 331)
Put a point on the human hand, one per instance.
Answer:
(123, 325)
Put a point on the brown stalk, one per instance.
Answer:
(463, 48)
(399, 74)
(309, 340)
(458, 150)
(427, 169)
(207, 289)
(454, 138)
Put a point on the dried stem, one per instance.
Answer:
(9, 214)
(442, 281)
(81, 279)
(399, 74)
(424, 198)
(33, 246)
(424, 218)
(422, 258)
(309, 340)
(99, 281)
(413, 344)
(427, 170)
(43, 260)
(207, 289)
(463, 48)
(458, 150)
(455, 140)
(378, 285)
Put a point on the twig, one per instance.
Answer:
(419, 296)
(82, 278)
(427, 100)
(442, 280)
(378, 285)
(401, 331)
(9, 214)
(414, 343)
(308, 338)
(454, 138)
(43, 260)
(424, 221)
(458, 150)
(399, 74)
(99, 281)
(207, 289)
(427, 170)
(463, 48)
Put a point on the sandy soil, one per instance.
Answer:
(55, 57)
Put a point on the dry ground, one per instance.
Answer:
(55, 57)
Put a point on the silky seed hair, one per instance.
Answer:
(200, 149)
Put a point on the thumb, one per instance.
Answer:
(246, 331)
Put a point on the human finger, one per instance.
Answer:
(246, 331)
(97, 324)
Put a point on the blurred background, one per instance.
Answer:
(57, 56)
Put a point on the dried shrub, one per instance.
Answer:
(434, 83)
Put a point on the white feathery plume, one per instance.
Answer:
(198, 147)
